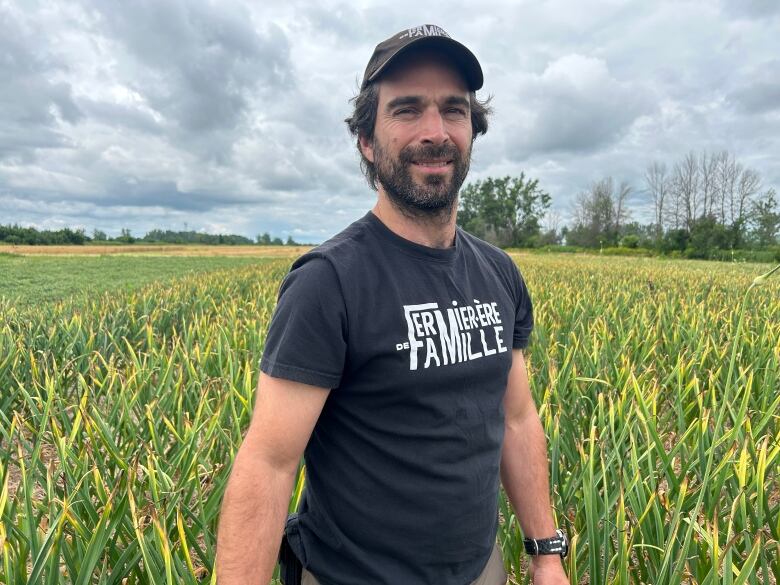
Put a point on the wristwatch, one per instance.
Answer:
(556, 545)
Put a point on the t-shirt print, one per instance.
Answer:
(439, 336)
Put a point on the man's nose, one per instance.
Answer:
(433, 129)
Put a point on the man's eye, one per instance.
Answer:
(457, 111)
(404, 112)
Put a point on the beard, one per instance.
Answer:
(437, 194)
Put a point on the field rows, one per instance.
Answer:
(31, 280)
(120, 415)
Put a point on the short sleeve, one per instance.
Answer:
(524, 313)
(307, 337)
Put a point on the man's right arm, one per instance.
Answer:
(254, 508)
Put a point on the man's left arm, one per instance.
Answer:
(524, 470)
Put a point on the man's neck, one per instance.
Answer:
(437, 231)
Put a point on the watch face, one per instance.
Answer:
(564, 543)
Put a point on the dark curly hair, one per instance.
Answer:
(363, 120)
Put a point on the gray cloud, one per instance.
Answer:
(574, 105)
(230, 116)
(197, 65)
(752, 8)
(759, 92)
(121, 115)
(34, 106)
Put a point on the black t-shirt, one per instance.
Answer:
(402, 467)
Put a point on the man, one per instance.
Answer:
(394, 364)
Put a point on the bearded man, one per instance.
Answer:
(394, 365)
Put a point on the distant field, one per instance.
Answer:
(29, 280)
(160, 250)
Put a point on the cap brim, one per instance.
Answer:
(465, 59)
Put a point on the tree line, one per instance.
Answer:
(703, 206)
(16, 234)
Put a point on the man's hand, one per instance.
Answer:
(524, 470)
(547, 570)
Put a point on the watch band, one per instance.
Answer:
(556, 545)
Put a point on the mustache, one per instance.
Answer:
(430, 151)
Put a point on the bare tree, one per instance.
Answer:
(749, 185)
(713, 186)
(708, 168)
(686, 189)
(580, 208)
(552, 221)
(674, 215)
(727, 176)
(619, 199)
(658, 185)
(600, 212)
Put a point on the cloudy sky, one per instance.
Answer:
(228, 116)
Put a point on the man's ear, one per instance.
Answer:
(367, 148)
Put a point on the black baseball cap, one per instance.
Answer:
(427, 35)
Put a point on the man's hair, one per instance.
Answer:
(363, 120)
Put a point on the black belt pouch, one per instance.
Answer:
(290, 568)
